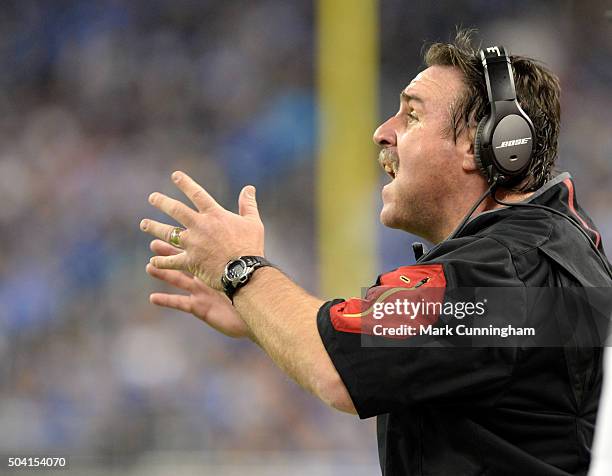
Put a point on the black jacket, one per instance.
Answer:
(445, 407)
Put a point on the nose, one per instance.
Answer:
(384, 135)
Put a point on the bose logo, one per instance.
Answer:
(510, 143)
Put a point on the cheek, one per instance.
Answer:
(425, 157)
(413, 154)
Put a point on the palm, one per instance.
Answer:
(207, 304)
(216, 310)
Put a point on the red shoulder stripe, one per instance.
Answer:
(570, 201)
(420, 282)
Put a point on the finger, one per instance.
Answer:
(160, 230)
(173, 301)
(247, 204)
(169, 262)
(171, 276)
(173, 208)
(194, 192)
(162, 248)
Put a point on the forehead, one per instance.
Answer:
(437, 86)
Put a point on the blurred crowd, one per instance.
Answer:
(101, 101)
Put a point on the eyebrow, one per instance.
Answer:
(405, 97)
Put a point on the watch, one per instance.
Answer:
(238, 272)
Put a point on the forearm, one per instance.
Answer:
(282, 320)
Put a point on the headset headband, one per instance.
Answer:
(498, 74)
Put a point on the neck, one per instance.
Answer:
(503, 196)
(459, 212)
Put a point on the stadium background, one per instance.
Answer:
(101, 101)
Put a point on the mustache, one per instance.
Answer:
(388, 156)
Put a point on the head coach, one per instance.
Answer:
(470, 154)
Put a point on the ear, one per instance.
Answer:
(465, 147)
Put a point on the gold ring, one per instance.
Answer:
(175, 236)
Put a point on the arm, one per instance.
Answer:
(282, 320)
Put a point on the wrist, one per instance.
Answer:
(238, 272)
(262, 279)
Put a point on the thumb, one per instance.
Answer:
(247, 204)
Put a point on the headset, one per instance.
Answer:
(503, 146)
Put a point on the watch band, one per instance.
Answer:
(256, 261)
(252, 264)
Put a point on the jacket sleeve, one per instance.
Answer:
(383, 373)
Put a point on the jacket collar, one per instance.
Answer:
(558, 193)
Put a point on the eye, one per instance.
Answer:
(412, 116)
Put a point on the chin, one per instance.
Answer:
(398, 221)
(388, 218)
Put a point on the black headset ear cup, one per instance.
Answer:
(477, 151)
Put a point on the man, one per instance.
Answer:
(441, 408)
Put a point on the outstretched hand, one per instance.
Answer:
(212, 234)
(207, 304)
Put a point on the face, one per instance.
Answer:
(419, 153)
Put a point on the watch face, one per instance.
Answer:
(236, 269)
